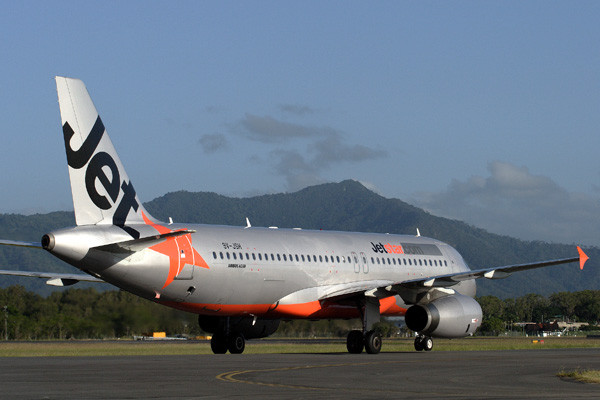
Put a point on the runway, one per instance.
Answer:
(523, 374)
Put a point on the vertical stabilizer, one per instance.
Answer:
(102, 191)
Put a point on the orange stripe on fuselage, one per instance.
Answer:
(314, 309)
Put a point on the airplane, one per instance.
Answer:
(243, 280)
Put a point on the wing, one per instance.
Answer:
(412, 291)
(491, 273)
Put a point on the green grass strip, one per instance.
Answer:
(75, 348)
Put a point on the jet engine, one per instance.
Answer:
(447, 317)
(250, 328)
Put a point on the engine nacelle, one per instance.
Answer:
(245, 325)
(447, 317)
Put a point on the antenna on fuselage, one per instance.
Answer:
(248, 225)
(418, 233)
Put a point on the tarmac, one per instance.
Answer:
(523, 374)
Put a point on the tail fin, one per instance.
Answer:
(102, 191)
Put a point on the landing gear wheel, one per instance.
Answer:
(373, 342)
(355, 342)
(423, 343)
(427, 343)
(236, 343)
(218, 343)
(418, 344)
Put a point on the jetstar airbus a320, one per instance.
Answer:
(241, 281)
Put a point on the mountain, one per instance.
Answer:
(344, 206)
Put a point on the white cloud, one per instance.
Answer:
(514, 202)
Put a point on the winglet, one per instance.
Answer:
(582, 257)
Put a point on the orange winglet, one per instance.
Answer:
(582, 257)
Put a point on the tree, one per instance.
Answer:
(491, 306)
(493, 325)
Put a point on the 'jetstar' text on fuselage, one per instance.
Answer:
(387, 248)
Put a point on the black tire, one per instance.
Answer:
(418, 344)
(218, 343)
(236, 343)
(355, 342)
(427, 343)
(373, 342)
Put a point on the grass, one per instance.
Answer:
(157, 348)
(581, 375)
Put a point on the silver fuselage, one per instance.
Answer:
(259, 271)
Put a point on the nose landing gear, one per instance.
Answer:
(423, 342)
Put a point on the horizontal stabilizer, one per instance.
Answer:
(36, 245)
(54, 279)
(131, 246)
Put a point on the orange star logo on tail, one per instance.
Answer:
(179, 249)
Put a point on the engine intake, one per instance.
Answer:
(447, 317)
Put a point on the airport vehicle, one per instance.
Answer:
(242, 281)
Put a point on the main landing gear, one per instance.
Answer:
(423, 342)
(220, 343)
(367, 339)
(371, 342)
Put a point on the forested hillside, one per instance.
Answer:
(89, 314)
(346, 206)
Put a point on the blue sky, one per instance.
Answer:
(487, 112)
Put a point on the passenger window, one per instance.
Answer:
(278, 257)
(320, 259)
(221, 255)
(227, 255)
(214, 255)
(272, 257)
(284, 258)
